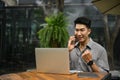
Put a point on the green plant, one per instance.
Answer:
(55, 33)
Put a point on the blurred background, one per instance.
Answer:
(20, 21)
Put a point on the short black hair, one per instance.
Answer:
(83, 20)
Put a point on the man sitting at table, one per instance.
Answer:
(85, 54)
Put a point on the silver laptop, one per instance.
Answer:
(52, 60)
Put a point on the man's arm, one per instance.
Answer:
(103, 61)
(88, 59)
(95, 68)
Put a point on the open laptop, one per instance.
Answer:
(52, 60)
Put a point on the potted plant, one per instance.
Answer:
(54, 33)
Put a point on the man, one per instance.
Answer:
(85, 54)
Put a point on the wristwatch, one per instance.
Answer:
(90, 63)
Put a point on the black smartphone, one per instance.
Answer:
(74, 41)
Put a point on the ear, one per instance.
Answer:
(89, 31)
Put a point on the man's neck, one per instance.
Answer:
(83, 44)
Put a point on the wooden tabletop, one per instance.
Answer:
(33, 75)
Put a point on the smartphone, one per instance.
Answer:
(74, 41)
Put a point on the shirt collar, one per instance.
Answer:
(89, 44)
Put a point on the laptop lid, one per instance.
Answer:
(52, 60)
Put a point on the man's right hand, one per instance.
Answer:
(71, 43)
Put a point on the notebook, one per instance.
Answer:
(52, 60)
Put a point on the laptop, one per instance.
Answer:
(52, 60)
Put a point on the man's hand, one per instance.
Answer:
(71, 43)
(87, 56)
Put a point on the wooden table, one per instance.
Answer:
(33, 75)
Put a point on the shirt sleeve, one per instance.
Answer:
(103, 61)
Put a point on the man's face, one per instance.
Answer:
(82, 32)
